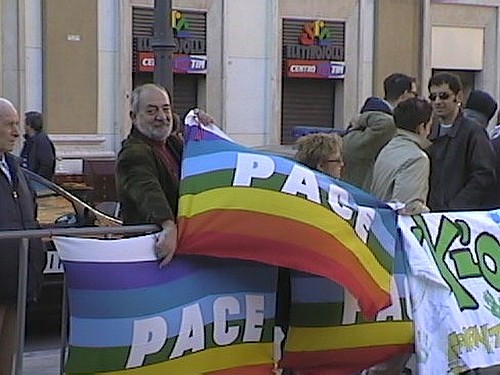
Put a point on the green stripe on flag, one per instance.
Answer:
(92, 360)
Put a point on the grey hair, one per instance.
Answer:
(6, 104)
(136, 95)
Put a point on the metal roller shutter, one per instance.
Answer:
(185, 90)
(186, 93)
(306, 102)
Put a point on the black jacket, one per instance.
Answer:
(39, 155)
(495, 195)
(462, 167)
(17, 212)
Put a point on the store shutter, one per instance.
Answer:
(306, 102)
(186, 93)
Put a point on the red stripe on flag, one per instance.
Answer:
(281, 242)
(342, 361)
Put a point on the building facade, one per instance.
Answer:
(262, 68)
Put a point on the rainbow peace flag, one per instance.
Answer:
(328, 335)
(198, 315)
(236, 202)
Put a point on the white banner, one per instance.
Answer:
(454, 279)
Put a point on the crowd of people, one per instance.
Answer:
(430, 155)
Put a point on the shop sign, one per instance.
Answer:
(187, 64)
(185, 41)
(146, 61)
(315, 43)
(315, 69)
(189, 52)
(313, 49)
(190, 64)
(180, 25)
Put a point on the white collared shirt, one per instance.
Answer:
(5, 168)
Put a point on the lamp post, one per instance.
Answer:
(163, 45)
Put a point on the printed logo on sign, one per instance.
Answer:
(337, 69)
(456, 274)
(471, 338)
(190, 64)
(148, 61)
(180, 25)
(303, 69)
(315, 33)
(53, 263)
(477, 257)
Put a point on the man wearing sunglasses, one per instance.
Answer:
(462, 166)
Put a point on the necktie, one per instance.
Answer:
(5, 169)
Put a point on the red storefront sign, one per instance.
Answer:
(322, 69)
(186, 64)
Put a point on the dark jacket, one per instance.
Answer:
(371, 132)
(39, 155)
(462, 169)
(476, 116)
(495, 195)
(146, 189)
(18, 211)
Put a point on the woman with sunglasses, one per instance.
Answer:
(322, 152)
(462, 159)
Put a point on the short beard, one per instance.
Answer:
(156, 134)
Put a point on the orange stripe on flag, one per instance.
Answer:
(282, 242)
(342, 361)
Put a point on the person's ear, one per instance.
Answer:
(459, 97)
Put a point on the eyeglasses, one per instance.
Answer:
(441, 95)
(338, 160)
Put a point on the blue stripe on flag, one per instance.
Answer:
(118, 332)
(315, 289)
(133, 302)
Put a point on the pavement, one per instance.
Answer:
(41, 362)
(42, 352)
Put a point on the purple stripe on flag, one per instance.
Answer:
(196, 133)
(114, 276)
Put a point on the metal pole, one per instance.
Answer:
(163, 45)
(64, 327)
(22, 281)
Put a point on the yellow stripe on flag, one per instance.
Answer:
(349, 336)
(207, 361)
(285, 206)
